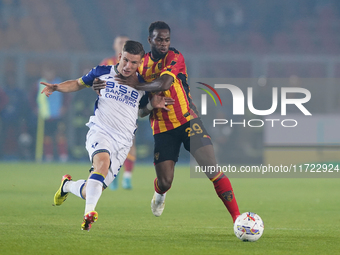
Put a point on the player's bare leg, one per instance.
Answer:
(205, 156)
(165, 175)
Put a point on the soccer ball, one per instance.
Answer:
(248, 227)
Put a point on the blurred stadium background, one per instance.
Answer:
(259, 39)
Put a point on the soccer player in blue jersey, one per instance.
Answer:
(129, 163)
(111, 129)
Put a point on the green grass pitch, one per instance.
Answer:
(301, 216)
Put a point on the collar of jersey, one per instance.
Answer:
(156, 60)
(116, 69)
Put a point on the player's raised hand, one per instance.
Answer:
(131, 81)
(160, 101)
(97, 85)
(49, 89)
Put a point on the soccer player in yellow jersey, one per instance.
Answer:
(164, 69)
(129, 163)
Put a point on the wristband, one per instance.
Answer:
(149, 106)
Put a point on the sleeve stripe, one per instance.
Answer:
(83, 83)
(169, 73)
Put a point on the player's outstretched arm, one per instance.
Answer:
(65, 87)
(160, 84)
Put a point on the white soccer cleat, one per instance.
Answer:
(157, 204)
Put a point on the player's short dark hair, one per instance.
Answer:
(133, 47)
(158, 25)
